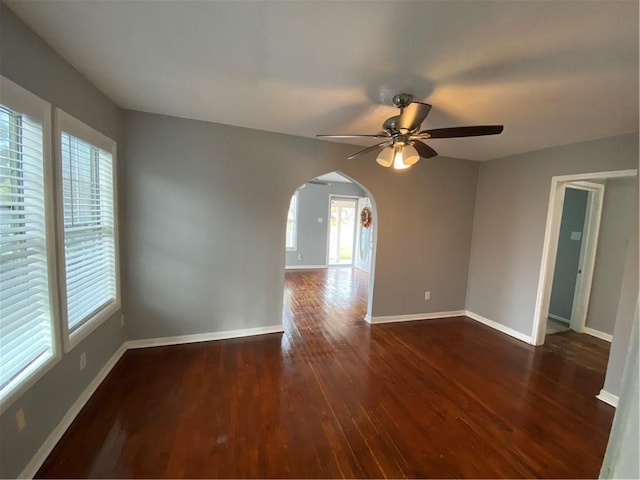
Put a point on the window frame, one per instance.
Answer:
(23, 101)
(295, 229)
(72, 126)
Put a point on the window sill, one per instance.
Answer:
(26, 379)
(72, 340)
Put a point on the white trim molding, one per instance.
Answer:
(45, 449)
(204, 337)
(498, 326)
(598, 334)
(304, 267)
(607, 397)
(414, 316)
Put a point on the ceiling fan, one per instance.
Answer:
(402, 145)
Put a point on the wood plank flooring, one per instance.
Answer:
(334, 397)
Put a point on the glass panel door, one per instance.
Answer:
(342, 231)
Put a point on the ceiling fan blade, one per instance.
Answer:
(370, 149)
(424, 150)
(377, 135)
(454, 132)
(412, 116)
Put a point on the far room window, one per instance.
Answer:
(27, 335)
(292, 223)
(86, 164)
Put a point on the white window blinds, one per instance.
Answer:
(26, 338)
(89, 234)
(292, 224)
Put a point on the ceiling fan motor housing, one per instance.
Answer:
(390, 125)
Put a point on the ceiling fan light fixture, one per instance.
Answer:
(385, 157)
(410, 156)
(398, 158)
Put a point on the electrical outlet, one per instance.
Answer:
(83, 361)
(300, 256)
(122, 321)
(427, 295)
(20, 420)
(320, 220)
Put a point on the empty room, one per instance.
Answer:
(309, 239)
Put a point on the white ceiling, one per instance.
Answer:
(553, 72)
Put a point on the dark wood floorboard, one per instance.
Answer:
(584, 349)
(334, 397)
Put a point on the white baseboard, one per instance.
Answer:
(559, 318)
(607, 397)
(45, 449)
(598, 334)
(498, 326)
(415, 316)
(304, 267)
(203, 337)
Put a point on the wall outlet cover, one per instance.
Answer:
(576, 236)
(20, 420)
(427, 295)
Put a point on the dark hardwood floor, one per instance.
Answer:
(334, 397)
(583, 349)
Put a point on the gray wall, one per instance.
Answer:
(207, 207)
(28, 61)
(618, 217)
(625, 309)
(313, 202)
(510, 218)
(568, 257)
(621, 458)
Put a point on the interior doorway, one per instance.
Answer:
(342, 230)
(593, 184)
(330, 244)
(575, 256)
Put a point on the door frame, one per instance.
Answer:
(550, 249)
(337, 196)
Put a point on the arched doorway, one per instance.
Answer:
(330, 244)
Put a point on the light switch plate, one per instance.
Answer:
(320, 220)
(576, 236)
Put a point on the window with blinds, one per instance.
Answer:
(26, 335)
(292, 224)
(89, 229)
